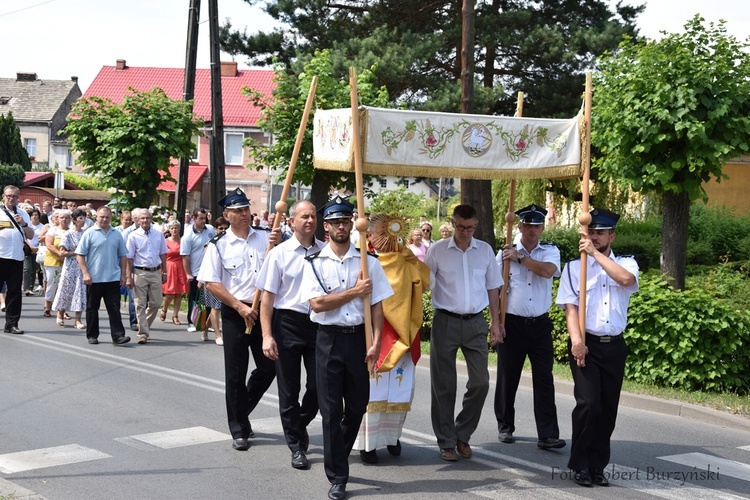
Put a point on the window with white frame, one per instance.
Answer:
(233, 149)
(30, 145)
(196, 156)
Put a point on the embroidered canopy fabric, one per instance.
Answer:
(425, 144)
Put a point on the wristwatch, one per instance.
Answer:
(520, 257)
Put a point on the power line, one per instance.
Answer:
(25, 8)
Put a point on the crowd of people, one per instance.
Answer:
(352, 321)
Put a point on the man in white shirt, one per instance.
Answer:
(147, 271)
(13, 222)
(192, 245)
(597, 360)
(334, 286)
(465, 279)
(528, 329)
(230, 271)
(288, 333)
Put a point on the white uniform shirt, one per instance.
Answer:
(282, 274)
(460, 280)
(235, 262)
(530, 295)
(146, 250)
(606, 301)
(326, 273)
(11, 241)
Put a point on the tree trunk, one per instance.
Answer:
(674, 237)
(319, 191)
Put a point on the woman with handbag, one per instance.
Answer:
(71, 291)
(53, 262)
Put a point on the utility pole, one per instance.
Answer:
(218, 182)
(188, 92)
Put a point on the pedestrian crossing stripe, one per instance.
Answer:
(179, 437)
(702, 462)
(11, 463)
(745, 447)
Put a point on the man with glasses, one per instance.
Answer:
(465, 279)
(13, 222)
(196, 237)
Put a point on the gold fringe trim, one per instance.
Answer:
(385, 406)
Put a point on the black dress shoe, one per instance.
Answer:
(506, 437)
(395, 450)
(337, 491)
(299, 460)
(121, 340)
(583, 478)
(240, 444)
(368, 457)
(93, 340)
(550, 443)
(15, 330)
(598, 479)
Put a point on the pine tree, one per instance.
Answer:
(11, 147)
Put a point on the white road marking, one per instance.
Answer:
(181, 437)
(12, 490)
(704, 462)
(48, 457)
(520, 489)
(745, 447)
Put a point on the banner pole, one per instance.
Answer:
(362, 223)
(510, 218)
(281, 205)
(584, 218)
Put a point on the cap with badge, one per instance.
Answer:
(337, 208)
(235, 199)
(603, 219)
(533, 215)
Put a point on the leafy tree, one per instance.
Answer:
(129, 145)
(282, 114)
(11, 147)
(667, 115)
(11, 174)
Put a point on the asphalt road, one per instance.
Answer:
(148, 421)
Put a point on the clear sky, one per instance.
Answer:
(58, 39)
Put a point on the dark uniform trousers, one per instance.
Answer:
(343, 394)
(192, 299)
(110, 292)
(530, 337)
(295, 338)
(11, 273)
(243, 394)
(597, 393)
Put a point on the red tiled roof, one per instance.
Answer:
(113, 84)
(195, 175)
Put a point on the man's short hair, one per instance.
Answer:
(465, 212)
(293, 208)
(199, 211)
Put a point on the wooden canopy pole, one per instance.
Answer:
(510, 218)
(281, 205)
(362, 223)
(584, 218)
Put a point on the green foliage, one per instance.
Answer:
(11, 175)
(716, 232)
(404, 204)
(12, 151)
(669, 113)
(129, 145)
(83, 182)
(688, 339)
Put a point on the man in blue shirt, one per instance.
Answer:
(101, 255)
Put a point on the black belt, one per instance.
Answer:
(294, 314)
(603, 339)
(459, 316)
(148, 268)
(529, 320)
(343, 329)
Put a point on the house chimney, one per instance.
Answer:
(74, 79)
(25, 77)
(121, 65)
(229, 68)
